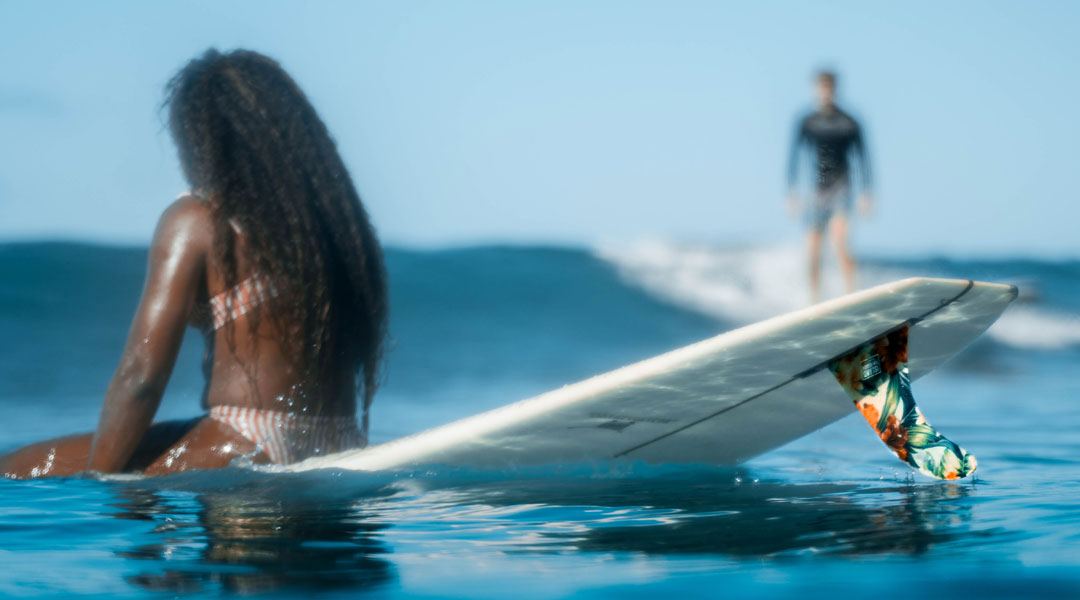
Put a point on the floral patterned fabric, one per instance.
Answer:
(876, 377)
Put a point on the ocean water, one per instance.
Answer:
(833, 514)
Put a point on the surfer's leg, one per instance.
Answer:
(210, 444)
(67, 455)
(813, 251)
(820, 214)
(58, 457)
(838, 230)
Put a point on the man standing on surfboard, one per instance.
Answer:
(833, 136)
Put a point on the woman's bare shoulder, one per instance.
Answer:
(189, 206)
(186, 224)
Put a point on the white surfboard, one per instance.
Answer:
(720, 401)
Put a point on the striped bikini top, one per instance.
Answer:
(238, 301)
(235, 303)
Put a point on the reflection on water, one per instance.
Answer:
(236, 543)
(276, 533)
(741, 518)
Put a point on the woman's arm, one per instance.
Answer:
(176, 268)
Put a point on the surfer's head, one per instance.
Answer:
(825, 87)
(250, 141)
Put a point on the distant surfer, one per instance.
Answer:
(835, 138)
(273, 258)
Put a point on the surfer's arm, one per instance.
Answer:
(176, 266)
(793, 167)
(793, 155)
(858, 149)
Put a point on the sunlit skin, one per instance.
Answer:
(180, 274)
(825, 94)
(274, 208)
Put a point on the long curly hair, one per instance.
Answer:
(250, 140)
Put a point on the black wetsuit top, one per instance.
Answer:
(834, 135)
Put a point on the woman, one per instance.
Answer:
(274, 259)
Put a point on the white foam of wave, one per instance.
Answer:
(1035, 329)
(743, 285)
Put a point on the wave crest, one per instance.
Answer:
(743, 285)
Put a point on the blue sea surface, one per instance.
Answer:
(831, 515)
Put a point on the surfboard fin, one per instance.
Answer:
(876, 378)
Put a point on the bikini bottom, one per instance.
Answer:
(289, 437)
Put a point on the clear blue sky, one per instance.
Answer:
(570, 122)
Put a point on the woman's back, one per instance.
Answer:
(248, 363)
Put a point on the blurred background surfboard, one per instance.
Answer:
(720, 401)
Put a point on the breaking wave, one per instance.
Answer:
(747, 284)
